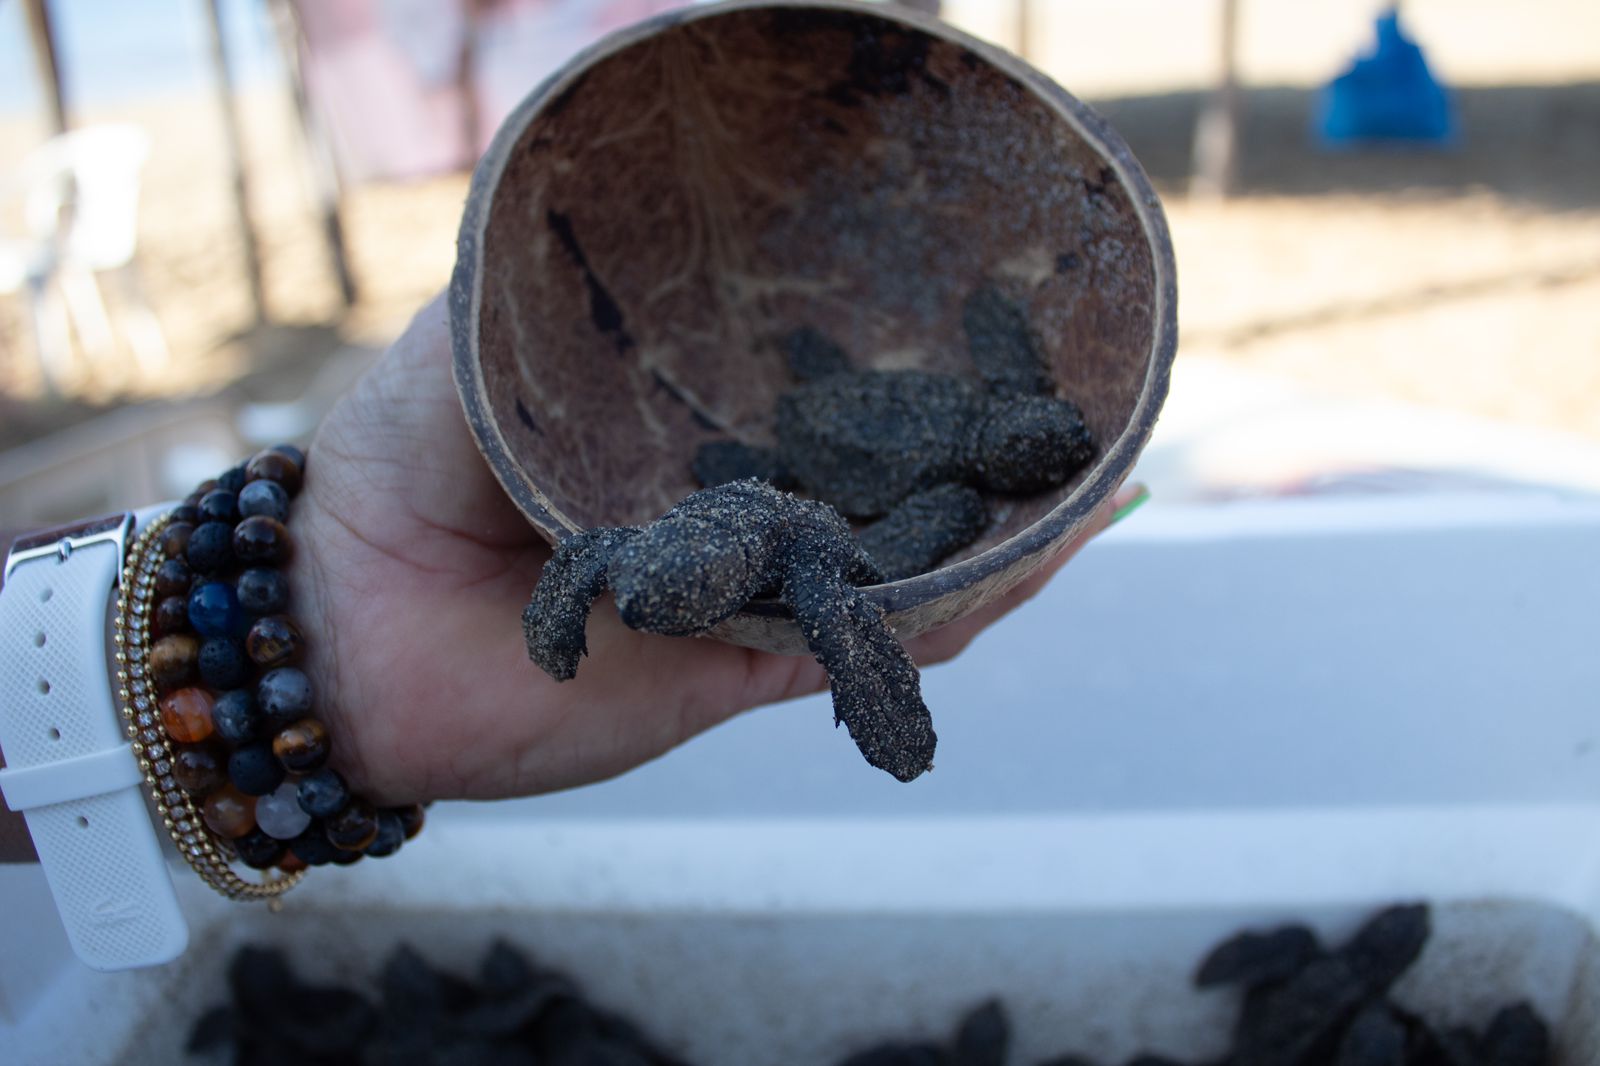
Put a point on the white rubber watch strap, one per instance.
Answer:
(68, 764)
(45, 785)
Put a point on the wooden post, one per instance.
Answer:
(1216, 134)
(47, 317)
(467, 80)
(41, 34)
(324, 169)
(241, 188)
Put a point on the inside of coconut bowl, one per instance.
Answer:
(650, 224)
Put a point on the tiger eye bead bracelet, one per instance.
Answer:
(216, 703)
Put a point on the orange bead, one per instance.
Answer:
(229, 812)
(187, 715)
(291, 863)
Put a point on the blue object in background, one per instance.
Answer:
(1389, 95)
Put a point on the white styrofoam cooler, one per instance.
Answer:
(1215, 717)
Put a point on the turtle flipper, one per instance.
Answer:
(1003, 345)
(923, 529)
(877, 692)
(553, 622)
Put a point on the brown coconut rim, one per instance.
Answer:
(914, 604)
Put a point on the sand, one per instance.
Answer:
(1468, 280)
(401, 239)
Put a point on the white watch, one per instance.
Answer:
(70, 769)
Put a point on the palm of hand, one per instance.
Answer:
(412, 570)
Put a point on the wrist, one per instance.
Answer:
(311, 573)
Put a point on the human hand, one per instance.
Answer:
(410, 574)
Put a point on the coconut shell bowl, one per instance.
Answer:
(655, 217)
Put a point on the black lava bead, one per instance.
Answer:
(236, 718)
(232, 480)
(223, 663)
(219, 505)
(263, 591)
(284, 695)
(342, 857)
(323, 794)
(313, 846)
(186, 512)
(391, 834)
(264, 498)
(210, 547)
(254, 770)
(257, 850)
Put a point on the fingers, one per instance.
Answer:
(946, 642)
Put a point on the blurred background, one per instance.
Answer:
(214, 213)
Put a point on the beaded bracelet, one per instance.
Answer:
(218, 710)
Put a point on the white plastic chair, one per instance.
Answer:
(80, 194)
(27, 267)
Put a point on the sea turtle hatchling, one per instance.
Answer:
(706, 558)
(915, 448)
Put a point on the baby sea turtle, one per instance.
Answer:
(706, 558)
(915, 447)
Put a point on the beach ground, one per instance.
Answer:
(1467, 279)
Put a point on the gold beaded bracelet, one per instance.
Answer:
(137, 695)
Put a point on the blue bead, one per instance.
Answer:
(214, 610)
(264, 498)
